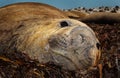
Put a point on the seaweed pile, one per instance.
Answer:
(109, 37)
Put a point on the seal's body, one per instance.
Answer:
(45, 34)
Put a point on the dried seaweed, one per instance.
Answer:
(109, 37)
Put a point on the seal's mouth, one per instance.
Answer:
(78, 46)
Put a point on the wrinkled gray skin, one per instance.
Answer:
(48, 37)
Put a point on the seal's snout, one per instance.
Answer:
(85, 44)
(76, 38)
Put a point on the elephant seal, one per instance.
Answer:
(45, 34)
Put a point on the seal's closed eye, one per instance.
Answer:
(64, 24)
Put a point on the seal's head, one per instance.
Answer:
(66, 42)
(74, 45)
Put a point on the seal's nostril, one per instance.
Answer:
(98, 45)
